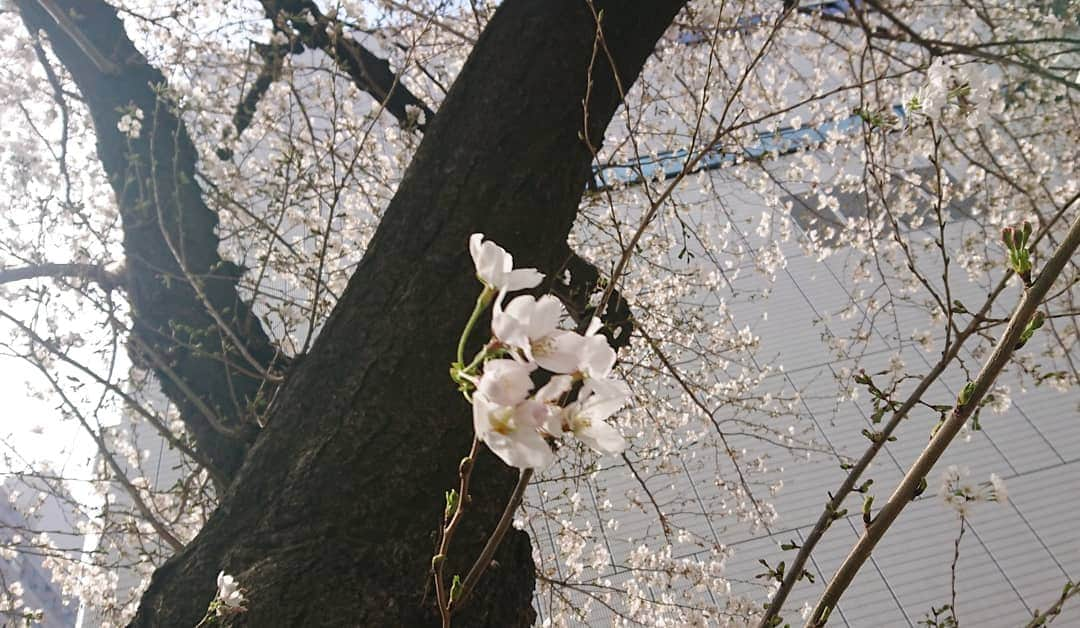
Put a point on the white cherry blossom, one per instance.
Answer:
(229, 594)
(531, 326)
(544, 407)
(586, 418)
(596, 358)
(506, 382)
(510, 433)
(495, 267)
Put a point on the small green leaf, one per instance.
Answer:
(1029, 330)
(920, 489)
(965, 394)
(451, 503)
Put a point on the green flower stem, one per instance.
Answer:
(476, 361)
(482, 302)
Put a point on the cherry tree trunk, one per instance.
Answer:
(332, 518)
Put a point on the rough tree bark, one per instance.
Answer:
(331, 520)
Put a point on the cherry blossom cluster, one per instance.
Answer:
(227, 603)
(515, 421)
(959, 493)
(230, 596)
(130, 124)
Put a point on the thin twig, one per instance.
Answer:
(494, 540)
(1040, 620)
(837, 498)
(904, 492)
(465, 469)
(952, 571)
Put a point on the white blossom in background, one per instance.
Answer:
(933, 95)
(959, 493)
(998, 399)
(130, 124)
(999, 491)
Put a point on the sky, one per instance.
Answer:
(31, 430)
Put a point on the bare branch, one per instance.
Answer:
(369, 72)
(1044, 618)
(93, 272)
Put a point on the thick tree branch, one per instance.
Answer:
(183, 296)
(92, 272)
(273, 59)
(369, 72)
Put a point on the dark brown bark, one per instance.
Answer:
(153, 177)
(332, 519)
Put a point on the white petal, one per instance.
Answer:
(540, 415)
(606, 388)
(559, 352)
(475, 242)
(482, 409)
(597, 408)
(552, 391)
(545, 316)
(506, 382)
(602, 437)
(522, 278)
(597, 356)
(552, 422)
(523, 449)
(522, 308)
(507, 324)
(492, 262)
